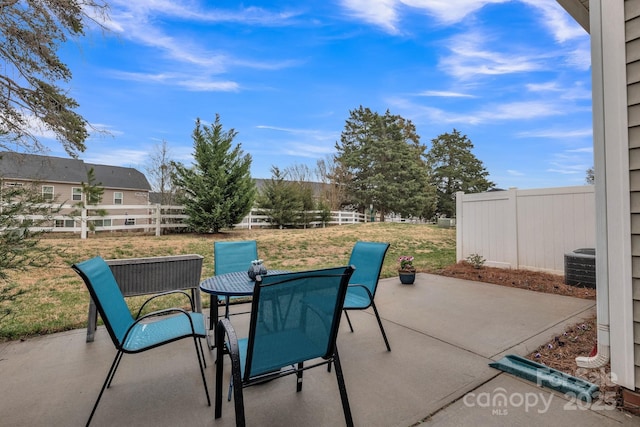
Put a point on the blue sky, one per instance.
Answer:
(513, 75)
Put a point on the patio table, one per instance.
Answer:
(236, 284)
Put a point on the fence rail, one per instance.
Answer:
(155, 218)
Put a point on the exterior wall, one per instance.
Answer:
(527, 229)
(632, 39)
(62, 192)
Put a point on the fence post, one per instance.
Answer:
(512, 228)
(158, 220)
(83, 223)
(459, 225)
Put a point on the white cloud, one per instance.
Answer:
(118, 157)
(141, 22)
(313, 134)
(513, 172)
(469, 58)
(450, 11)
(378, 12)
(557, 20)
(557, 133)
(385, 13)
(309, 150)
(189, 82)
(570, 163)
(209, 86)
(588, 150)
(444, 94)
(519, 110)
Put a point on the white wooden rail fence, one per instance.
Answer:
(526, 229)
(154, 218)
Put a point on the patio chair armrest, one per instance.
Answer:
(162, 294)
(353, 285)
(225, 328)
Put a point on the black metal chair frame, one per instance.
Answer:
(372, 303)
(231, 347)
(120, 345)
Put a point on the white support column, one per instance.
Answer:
(611, 165)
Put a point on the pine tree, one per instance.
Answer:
(381, 163)
(279, 200)
(454, 168)
(218, 188)
(20, 247)
(30, 34)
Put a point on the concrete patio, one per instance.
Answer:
(443, 333)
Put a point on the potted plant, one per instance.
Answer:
(406, 272)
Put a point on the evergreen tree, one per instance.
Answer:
(20, 247)
(30, 34)
(279, 200)
(381, 164)
(218, 188)
(454, 168)
(92, 192)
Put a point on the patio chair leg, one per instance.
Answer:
(219, 372)
(299, 372)
(105, 385)
(343, 391)
(201, 363)
(375, 310)
(112, 373)
(348, 320)
(236, 379)
(202, 352)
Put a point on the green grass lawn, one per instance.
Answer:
(55, 298)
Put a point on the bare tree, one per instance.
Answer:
(328, 173)
(159, 169)
(30, 99)
(591, 176)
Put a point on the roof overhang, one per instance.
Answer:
(579, 10)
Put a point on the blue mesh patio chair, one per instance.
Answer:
(367, 258)
(294, 319)
(135, 335)
(230, 257)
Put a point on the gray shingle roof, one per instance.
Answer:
(35, 167)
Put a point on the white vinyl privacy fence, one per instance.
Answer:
(526, 229)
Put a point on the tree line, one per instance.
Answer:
(379, 166)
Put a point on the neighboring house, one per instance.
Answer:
(60, 180)
(614, 26)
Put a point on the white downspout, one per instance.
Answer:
(599, 153)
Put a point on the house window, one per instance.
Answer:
(47, 192)
(118, 198)
(67, 223)
(130, 221)
(102, 222)
(76, 194)
(13, 184)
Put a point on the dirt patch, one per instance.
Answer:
(577, 340)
